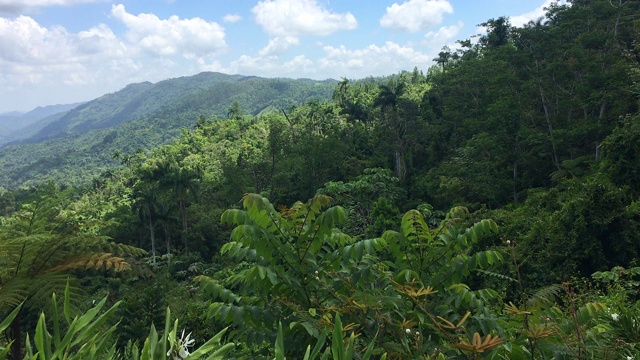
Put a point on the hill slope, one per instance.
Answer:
(77, 145)
(14, 124)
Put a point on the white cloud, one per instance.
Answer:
(335, 62)
(16, 6)
(415, 15)
(49, 64)
(278, 44)
(374, 59)
(444, 35)
(256, 65)
(23, 41)
(191, 38)
(272, 66)
(213, 66)
(300, 17)
(40, 65)
(99, 39)
(232, 18)
(286, 20)
(534, 15)
(299, 64)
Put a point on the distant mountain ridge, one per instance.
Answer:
(12, 123)
(75, 145)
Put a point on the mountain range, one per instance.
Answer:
(73, 143)
(17, 125)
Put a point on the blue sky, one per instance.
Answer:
(65, 51)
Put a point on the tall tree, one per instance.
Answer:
(444, 57)
(146, 204)
(183, 184)
(388, 101)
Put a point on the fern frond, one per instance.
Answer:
(497, 275)
(123, 249)
(98, 261)
(544, 296)
(590, 311)
(45, 284)
(12, 293)
(559, 350)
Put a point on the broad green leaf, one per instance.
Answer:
(279, 348)
(319, 344)
(42, 338)
(337, 347)
(9, 319)
(212, 344)
(167, 322)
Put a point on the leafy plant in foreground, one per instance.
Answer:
(337, 350)
(40, 244)
(406, 288)
(88, 336)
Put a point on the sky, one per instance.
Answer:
(67, 51)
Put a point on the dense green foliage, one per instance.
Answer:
(14, 125)
(486, 209)
(73, 146)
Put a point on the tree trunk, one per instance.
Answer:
(293, 131)
(183, 210)
(515, 178)
(600, 116)
(153, 240)
(16, 347)
(550, 129)
(400, 165)
(168, 241)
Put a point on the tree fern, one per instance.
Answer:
(544, 296)
(40, 244)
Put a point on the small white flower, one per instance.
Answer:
(615, 316)
(408, 331)
(629, 357)
(180, 349)
(188, 341)
(417, 333)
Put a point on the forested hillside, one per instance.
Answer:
(17, 125)
(488, 208)
(76, 145)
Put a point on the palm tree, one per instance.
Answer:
(443, 58)
(184, 185)
(165, 217)
(387, 100)
(147, 205)
(341, 91)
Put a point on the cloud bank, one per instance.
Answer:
(416, 15)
